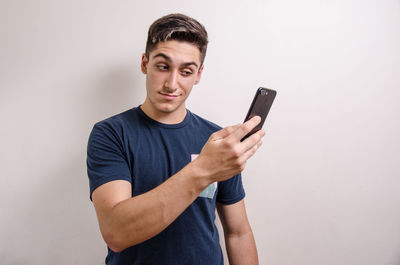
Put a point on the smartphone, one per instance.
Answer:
(260, 106)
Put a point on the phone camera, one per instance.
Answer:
(264, 92)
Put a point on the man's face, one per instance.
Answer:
(171, 71)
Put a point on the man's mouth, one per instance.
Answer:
(168, 96)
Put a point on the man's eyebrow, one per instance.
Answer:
(190, 63)
(166, 57)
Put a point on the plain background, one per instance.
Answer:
(323, 189)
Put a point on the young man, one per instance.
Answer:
(157, 172)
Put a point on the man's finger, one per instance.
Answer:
(225, 132)
(243, 129)
(253, 140)
(250, 152)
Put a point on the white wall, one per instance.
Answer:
(324, 188)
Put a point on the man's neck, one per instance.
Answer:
(174, 117)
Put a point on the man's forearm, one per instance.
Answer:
(241, 249)
(137, 219)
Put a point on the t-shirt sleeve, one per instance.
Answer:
(106, 160)
(230, 191)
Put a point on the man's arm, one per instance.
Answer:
(126, 221)
(239, 239)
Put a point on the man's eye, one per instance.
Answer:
(187, 72)
(162, 67)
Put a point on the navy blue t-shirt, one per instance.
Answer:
(131, 146)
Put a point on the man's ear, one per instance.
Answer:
(144, 63)
(199, 74)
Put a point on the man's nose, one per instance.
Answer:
(172, 81)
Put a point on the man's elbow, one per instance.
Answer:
(118, 241)
(114, 241)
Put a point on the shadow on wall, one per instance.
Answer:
(58, 224)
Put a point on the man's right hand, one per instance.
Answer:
(224, 155)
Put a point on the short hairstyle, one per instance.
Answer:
(177, 27)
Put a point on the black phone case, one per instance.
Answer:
(260, 106)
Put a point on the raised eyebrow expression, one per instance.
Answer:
(166, 57)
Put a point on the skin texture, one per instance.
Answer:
(172, 69)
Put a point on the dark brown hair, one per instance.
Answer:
(177, 27)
